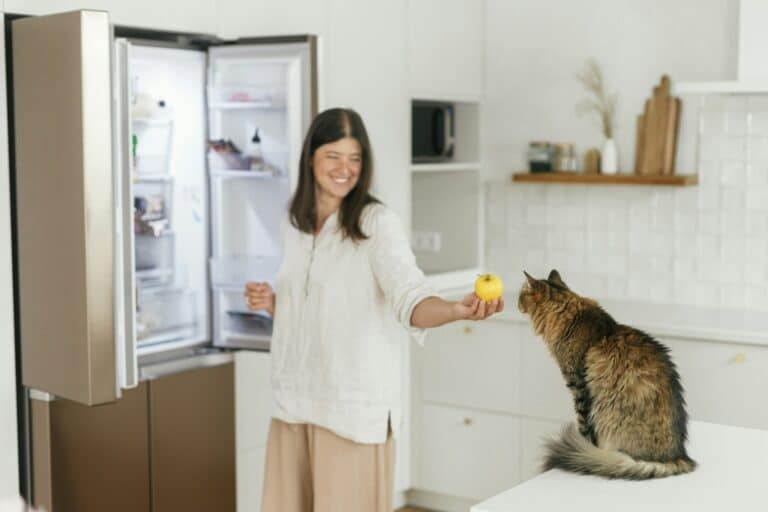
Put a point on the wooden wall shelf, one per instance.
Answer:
(605, 179)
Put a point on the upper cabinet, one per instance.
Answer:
(180, 15)
(446, 48)
(248, 18)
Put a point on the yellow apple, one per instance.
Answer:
(488, 287)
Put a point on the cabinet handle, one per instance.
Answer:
(740, 358)
(467, 329)
(468, 421)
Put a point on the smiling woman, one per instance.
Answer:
(347, 290)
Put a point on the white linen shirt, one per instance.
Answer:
(342, 309)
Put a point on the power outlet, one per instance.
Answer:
(428, 241)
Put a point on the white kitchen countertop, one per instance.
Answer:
(691, 322)
(732, 476)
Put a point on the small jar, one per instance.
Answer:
(540, 155)
(565, 158)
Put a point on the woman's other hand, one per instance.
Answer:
(471, 307)
(259, 296)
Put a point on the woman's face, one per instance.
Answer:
(336, 167)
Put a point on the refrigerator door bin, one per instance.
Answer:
(248, 214)
(154, 252)
(165, 315)
(247, 96)
(234, 325)
(152, 206)
(235, 272)
(237, 327)
(152, 139)
(229, 161)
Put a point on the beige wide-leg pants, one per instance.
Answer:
(311, 469)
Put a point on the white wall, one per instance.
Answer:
(534, 48)
(705, 245)
(181, 15)
(9, 476)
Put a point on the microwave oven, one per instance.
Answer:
(432, 131)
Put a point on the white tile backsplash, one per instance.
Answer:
(705, 245)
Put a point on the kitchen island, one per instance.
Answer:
(731, 476)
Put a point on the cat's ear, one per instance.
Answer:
(531, 283)
(554, 277)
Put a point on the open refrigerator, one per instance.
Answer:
(152, 177)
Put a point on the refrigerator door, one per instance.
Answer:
(261, 99)
(65, 204)
(125, 284)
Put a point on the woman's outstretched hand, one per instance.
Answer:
(259, 296)
(471, 307)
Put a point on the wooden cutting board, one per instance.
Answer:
(657, 132)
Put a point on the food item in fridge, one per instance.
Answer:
(149, 216)
(253, 151)
(225, 155)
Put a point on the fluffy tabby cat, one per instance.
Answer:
(626, 390)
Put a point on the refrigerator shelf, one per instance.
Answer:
(165, 178)
(154, 277)
(166, 335)
(165, 234)
(244, 105)
(151, 121)
(233, 339)
(234, 173)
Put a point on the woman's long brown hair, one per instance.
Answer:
(327, 127)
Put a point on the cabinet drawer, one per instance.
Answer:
(468, 454)
(253, 399)
(473, 364)
(724, 383)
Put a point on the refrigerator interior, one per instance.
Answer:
(257, 115)
(169, 196)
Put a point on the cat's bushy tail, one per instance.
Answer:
(572, 452)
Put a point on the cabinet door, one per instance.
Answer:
(192, 440)
(253, 399)
(64, 204)
(533, 435)
(720, 380)
(90, 459)
(468, 454)
(543, 389)
(474, 365)
(446, 47)
(250, 478)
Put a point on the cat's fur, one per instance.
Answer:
(629, 401)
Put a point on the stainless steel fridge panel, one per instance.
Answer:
(125, 275)
(63, 130)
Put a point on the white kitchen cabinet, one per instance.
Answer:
(179, 15)
(468, 454)
(542, 387)
(724, 382)
(241, 18)
(250, 478)
(533, 435)
(253, 398)
(253, 414)
(446, 48)
(473, 364)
